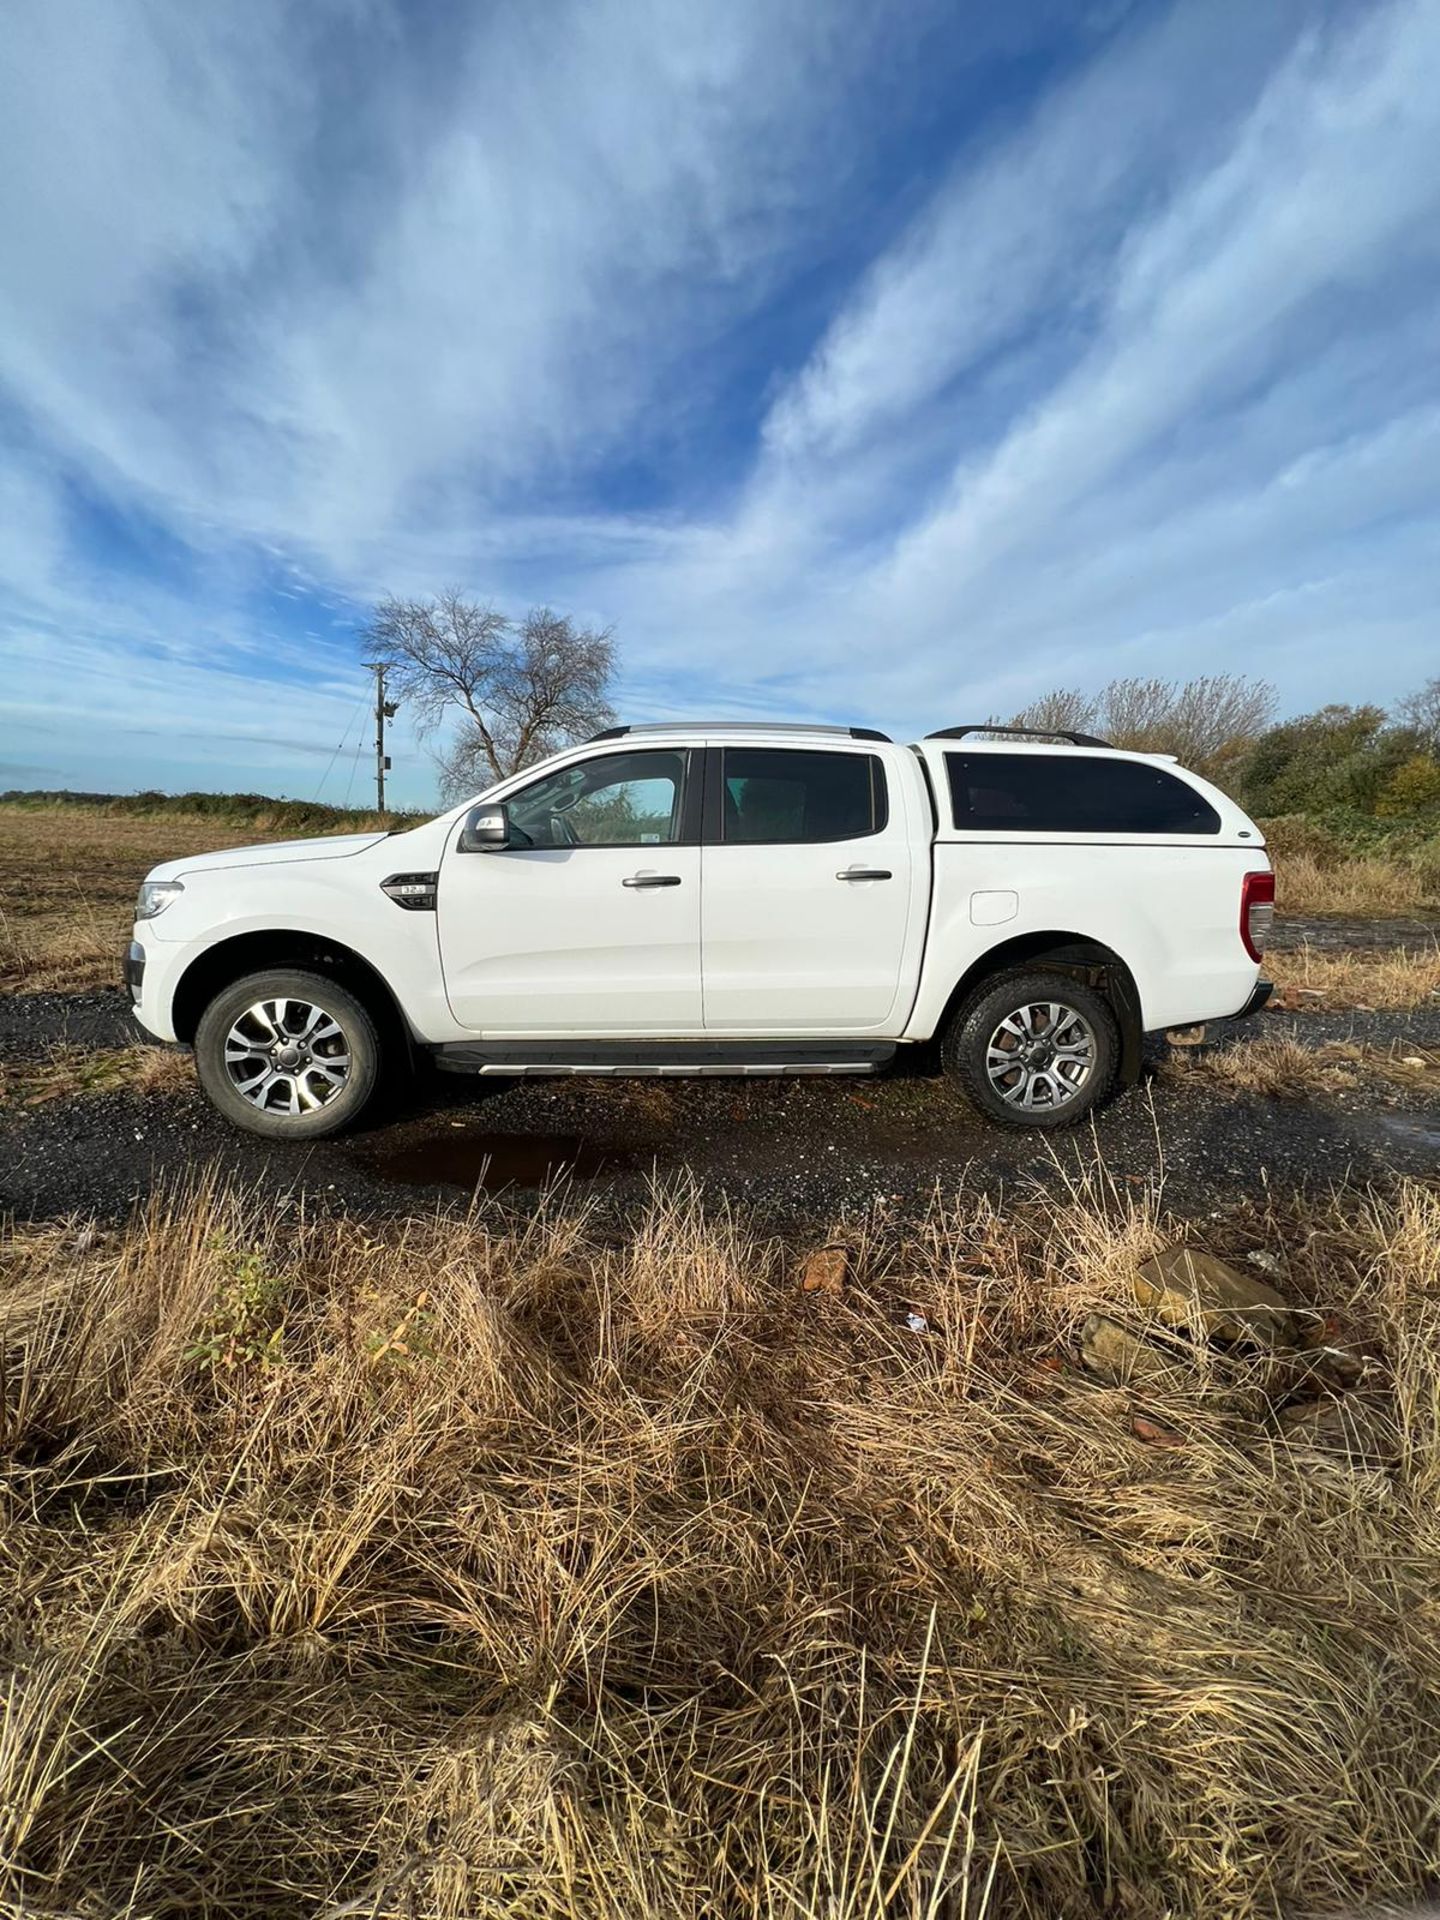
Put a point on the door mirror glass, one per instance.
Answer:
(486, 830)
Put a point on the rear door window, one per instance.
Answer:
(773, 796)
(1071, 793)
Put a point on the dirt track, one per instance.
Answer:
(795, 1150)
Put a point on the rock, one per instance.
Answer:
(1266, 1262)
(1357, 1431)
(1186, 1036)
(1186, 1287)
(1155, 1433)
(826, 1271)
(1115, 1353)
(1412, 1060)
(1316, 1369)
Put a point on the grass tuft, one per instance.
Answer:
(447, 1569)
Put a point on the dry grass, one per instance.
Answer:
(443, 1572)
(71, 1072)
(68, 878)
(1361, 887)
(1279, 1067)
(1275, 1067)
(1312, 978)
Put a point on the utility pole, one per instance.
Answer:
(384, 710)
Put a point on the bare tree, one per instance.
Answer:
(1209, 722)
(521, 689)
(1063, 711)
(1421, 712)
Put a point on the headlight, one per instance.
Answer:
(155, 896)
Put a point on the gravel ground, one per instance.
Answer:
(796, 1150)
(1356, 936)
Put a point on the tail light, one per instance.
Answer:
(1257, 912)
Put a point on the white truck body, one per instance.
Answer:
(729, 916)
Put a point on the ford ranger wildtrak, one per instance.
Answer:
(725, 899)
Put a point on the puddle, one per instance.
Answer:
(466, 1157)
(1420, 1130)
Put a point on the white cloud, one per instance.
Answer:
(337, 301)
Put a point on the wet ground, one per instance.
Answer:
(796, 1150)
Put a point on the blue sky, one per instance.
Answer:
(879, 362)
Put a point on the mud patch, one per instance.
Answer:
(471, 1157)
(1420, 1131)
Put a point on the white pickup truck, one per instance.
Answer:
(725, 899)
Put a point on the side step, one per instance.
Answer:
(662, 1056)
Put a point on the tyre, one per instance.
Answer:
(1034, 1049)
(290, 1055)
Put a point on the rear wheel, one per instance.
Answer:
(290, 1055)
(1034, 1049)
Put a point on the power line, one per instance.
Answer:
(354, 769)
(340, 747)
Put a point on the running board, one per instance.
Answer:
(661, 1056)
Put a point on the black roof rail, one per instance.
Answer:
(869, 733)
(1019, 733)
(607, 733)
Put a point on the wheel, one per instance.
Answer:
(1034, 1049)
(289, 1055)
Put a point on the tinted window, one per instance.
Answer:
(771, 794)
(616, 800)
(1036, 793)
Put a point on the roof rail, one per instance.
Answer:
(1019, 733)
(738, 726)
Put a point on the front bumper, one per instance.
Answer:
(1262, 993)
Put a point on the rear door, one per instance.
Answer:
(589, 924)
(807, 898)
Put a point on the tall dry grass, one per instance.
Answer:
(447, 1570)
(1394, 978)
(1356, 886)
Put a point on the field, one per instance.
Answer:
(69, 875)
(383, 1538)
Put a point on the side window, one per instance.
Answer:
(775, 795)
(615, 800)
(1072, 793)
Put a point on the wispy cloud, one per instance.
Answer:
(845, 363)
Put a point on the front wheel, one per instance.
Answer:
(1034, 1049)
(290, 1055)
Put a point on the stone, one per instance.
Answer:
(826, 1271)
(1266, 1262)
(1356, 1431)
(1115, 1353)
(1187, 1287)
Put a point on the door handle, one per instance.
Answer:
(652, 880)
(865, 873)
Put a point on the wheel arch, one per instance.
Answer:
(244, 953)
(1076, 955)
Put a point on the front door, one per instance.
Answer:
(589, 923)
(808, 876)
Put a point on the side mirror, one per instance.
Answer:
(486, 830)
